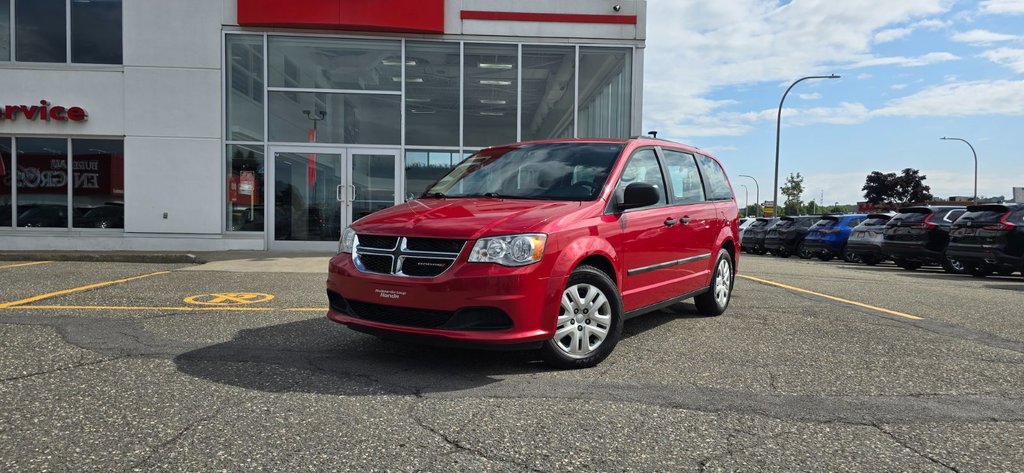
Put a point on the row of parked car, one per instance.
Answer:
(978, 239)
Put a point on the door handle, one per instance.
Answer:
(670, 221)
(352, 192)
(684, 220)
(339, 194)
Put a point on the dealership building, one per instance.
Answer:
(202, 125)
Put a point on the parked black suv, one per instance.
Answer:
(785, 237)
(989, 238)
(866, 240)
(919, 235)
(753, 237)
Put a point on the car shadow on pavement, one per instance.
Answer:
(321, 357)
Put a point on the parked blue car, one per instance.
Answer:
(827, 238)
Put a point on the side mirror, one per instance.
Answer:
(639, 194)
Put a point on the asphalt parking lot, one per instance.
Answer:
(233, 366)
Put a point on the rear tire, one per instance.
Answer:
(953, 266)
(716, 300)
(803, 252)
(850, 257)
(589, 322)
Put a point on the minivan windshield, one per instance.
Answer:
(545, 171)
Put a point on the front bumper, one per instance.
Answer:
(470, 304)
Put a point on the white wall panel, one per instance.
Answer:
(172, 33)
(455, 25)
(100, 93)
(179, 176)
(173, 102)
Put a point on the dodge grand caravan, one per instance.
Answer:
(544, 245)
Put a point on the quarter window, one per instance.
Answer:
(684, 176)
(715, 183)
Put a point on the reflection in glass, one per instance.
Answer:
(423, 168)
(373, 176)
(245, 188)
(549, 74)
(96, 31)
(6, 176)
(42, 182)
(330, 63)
(97, 191)
(605, 92)
(491, 72)
(432, 93)
(306, 190)
(245, 87)
(40, 30)
(301, 117)
(5, 36)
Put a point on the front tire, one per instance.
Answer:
(953, 266)
(716, 299)
(803, 252)
(589, 321)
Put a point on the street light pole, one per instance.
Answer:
(975, 164)
(778, 133)
(757, 195)
(746, 201)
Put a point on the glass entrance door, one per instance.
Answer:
(319, 191)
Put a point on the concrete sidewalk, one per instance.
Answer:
(241, 261)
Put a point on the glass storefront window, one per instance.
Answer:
(5, 30)
(41, 30)
(491, 73)
(329, 63)
(606, 92)
(6, 178)
(305, 117)
(97, 183)
(373, 176)
(96, 31)
(42, 182)
(549, 74)
(432, 93)
(423, 168)
(245, 170)
(245, 87)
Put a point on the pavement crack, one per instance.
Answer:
(61, 369)
(912, 449)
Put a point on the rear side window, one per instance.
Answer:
(684, 176)
(946, 216)
(716, 185)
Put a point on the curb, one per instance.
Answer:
(103, 257)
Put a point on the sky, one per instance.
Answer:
(912, 71)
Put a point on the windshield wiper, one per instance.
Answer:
(435, 195)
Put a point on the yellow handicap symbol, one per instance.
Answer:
(228, 298)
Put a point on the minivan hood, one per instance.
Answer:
(466, 219)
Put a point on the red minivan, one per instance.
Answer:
(544, 245)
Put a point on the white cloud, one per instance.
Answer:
(924, 60)
(980, 37)
(898, 86)
(864, 76)
(1003, 7)
(811, 96)
(1000, 97)
(892, 34)
(932, 24)
(1009, 57)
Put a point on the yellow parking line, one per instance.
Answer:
(48, 295)
(834, 298)
(18, 265)
(175, 308)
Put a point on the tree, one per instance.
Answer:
(793, 189)
(891, 190)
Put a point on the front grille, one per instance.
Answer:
(409, 257)
(375, 263)
(377, 241)
(399, 315)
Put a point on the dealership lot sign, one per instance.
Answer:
(45, 111)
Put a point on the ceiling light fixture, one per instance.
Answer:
(495, 82)
(493, 101)
(491, 65)
(493, 114)
(410, 79)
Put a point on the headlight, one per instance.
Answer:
(510, 250)
(348, 240)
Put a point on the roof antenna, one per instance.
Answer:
(653, 133)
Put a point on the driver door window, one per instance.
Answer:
(643, 167)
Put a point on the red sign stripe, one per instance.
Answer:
(548, 17)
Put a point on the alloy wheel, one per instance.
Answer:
(584, 321)
(723, 282)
